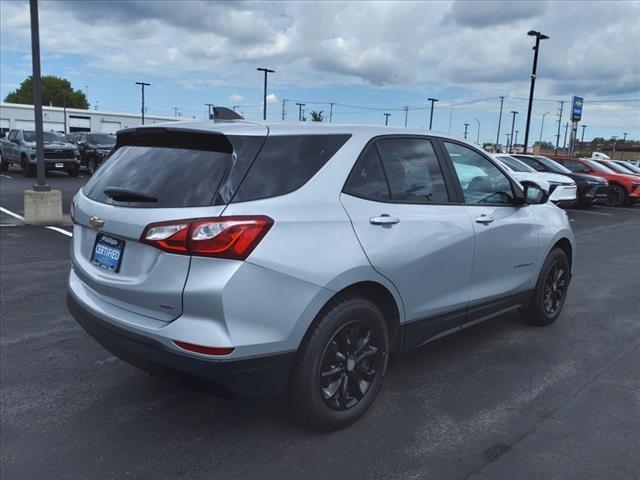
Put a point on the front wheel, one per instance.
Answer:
(340, 367)
(617, 196)
(551, 290)
(4, 166)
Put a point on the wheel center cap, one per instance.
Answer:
(351, 364)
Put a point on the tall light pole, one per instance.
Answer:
(542, 127)
(406, 115)
(559, 125)
(515, 142)
(466, 126)
(508, 135)
(499, 121)
(432, 100)
(478, 133)
(582, 139)
(624, 140)
(264, 96)
(142, 85)
(613, 152)
(386, 118)
(300, 105)
(564, 143)
(40, 185)
(331, 111)
(513, 125)
(209, 107)
(539, 36)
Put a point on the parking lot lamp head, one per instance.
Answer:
(432, 100)
(539, 36)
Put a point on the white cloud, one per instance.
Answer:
(271, 98)
(236, 98)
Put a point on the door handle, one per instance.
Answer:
(485, 219)
(383, 219)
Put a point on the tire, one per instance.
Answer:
(27, 169)
(74, 172)
(551, 290)
(332, 346)
(617, 195)
(91, 166)
(4, 166)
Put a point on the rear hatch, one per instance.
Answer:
(154, 175)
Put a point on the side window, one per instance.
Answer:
(575, 166)
(367, 177)
(481, 181)
(286, 163)
(412, 170)
(12, 134)
(533, 163)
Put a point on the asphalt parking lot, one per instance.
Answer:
(499, 400)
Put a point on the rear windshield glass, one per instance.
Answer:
(174, 177)
(101, 139)
(285, 163)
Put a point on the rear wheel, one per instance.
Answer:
(551, 290)
(27, 169)
(4, 166)
(91, 166)
(617, 196)
(340, 367)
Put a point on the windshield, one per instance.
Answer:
(551, 165)
(515, 164)
(101, 139)
(30, 136)
(598, 167)
(629, 166)
(616, 167)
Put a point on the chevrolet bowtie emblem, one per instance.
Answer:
(96, 222)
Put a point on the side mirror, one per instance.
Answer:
(534, 195)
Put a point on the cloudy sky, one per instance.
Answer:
(379, 55)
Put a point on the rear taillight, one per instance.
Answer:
(204, 350)
(221, 237)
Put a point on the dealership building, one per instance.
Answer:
(14, 115)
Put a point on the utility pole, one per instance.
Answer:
(209, 106)
(432, 100)
(515, 142)
(624, 141)
(539, 36)
(175, 112)
(406, 116)
(235, 107)
(499, 122)
(330, 111)
(284, 108)
(466, 126)
(513, 125)
(559, 124)
(564, 143)
(142, 85)
(478, 134)
(264, 96)
(508, 135)
(386, 118)
(300, 105)
(615, 137)
(542, 127)
(582, 139)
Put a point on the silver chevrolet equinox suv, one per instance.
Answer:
(277, 259)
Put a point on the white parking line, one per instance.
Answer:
(12, 214)
(590, 213)
(20, 217)
(6, 176)
(8, 225)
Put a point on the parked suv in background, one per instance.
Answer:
(561, 189)
(617, 167)
(591, 189)
(20, 149)
(623, 188)
(273, 258)
(93, 147)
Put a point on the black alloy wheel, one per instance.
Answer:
(555, 289)
(349, 365)
(617, 196)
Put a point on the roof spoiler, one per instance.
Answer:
(223, 113)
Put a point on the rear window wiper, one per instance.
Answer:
(124, 195)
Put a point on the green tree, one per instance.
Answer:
(54, 91)
(317, 116)
(545, 145)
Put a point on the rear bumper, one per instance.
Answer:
(264, 376)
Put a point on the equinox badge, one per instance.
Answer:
(96, 222)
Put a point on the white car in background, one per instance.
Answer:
(562, 189)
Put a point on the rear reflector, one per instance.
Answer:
(221, 237)
(204, 350)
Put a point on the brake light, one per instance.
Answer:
(204, 350)
(221, 237)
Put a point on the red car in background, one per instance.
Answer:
(623, 188)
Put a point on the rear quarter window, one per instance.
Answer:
(285, 163)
